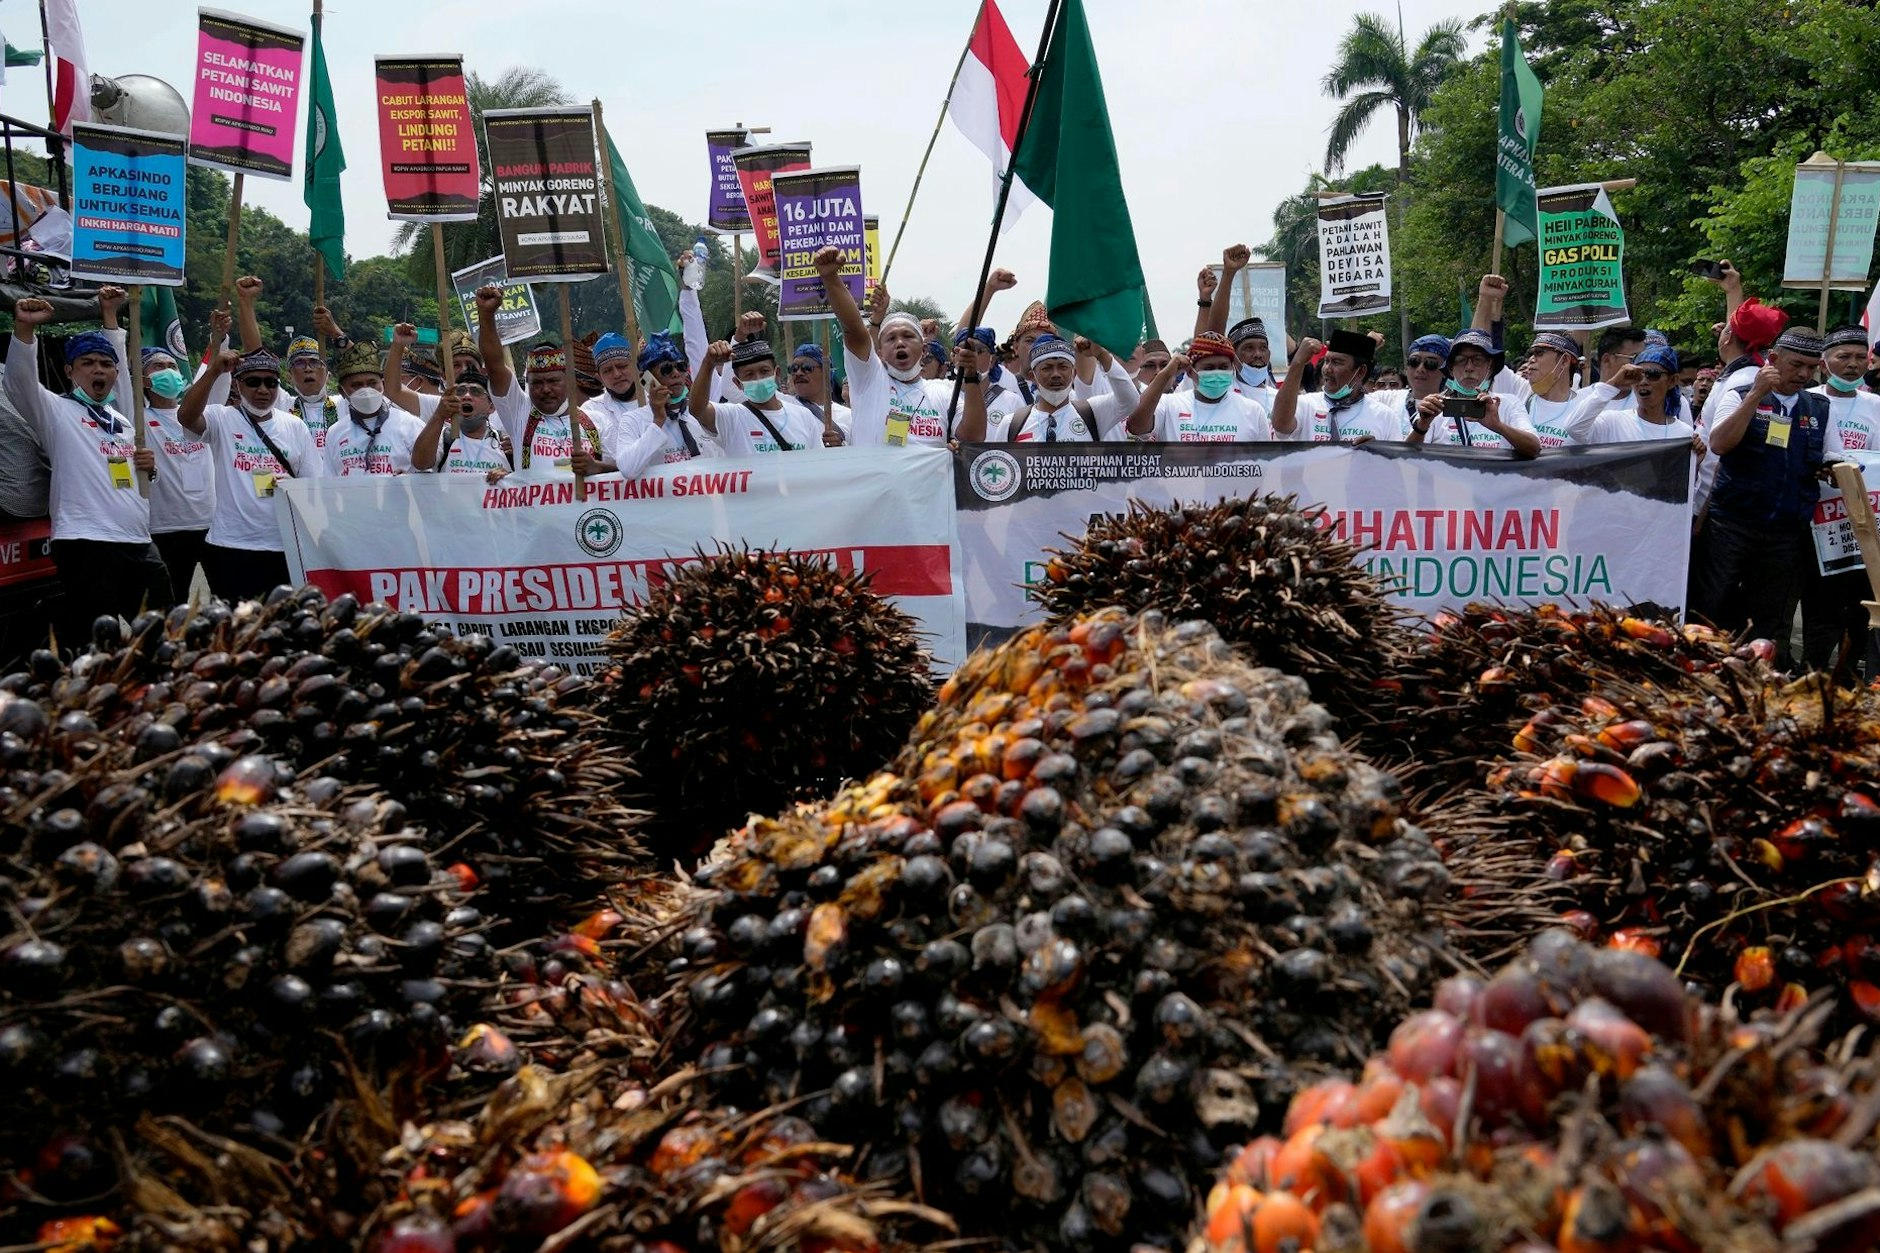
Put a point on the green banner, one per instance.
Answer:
(1582, 255)
(1520, 121)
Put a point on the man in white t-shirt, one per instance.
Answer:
(100, 521)
(614, 370)
(1211, 413)
(976, 351)
(1639, 402)
(254, 446)
(1553, 357)
(889, 402)
(809, 383)
(1339, 412)
(475, 446)
(661, 432)
(1503, 424)
(767, 421)
(372, 436)
(1831, 604)
(1055, 413)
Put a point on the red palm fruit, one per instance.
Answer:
(1388, 1217)
(1644, 990)
(1623, 737)
(1866, 998)
(1377, 1169)
(547, 1191)
(1658, 1177)
(1495, 1059)
(1378, 1095)
(1582, 923)
(598, 925)
(466, 877)
(1440, 1100)
(1655, 1097)
(681, 1147)
(1551, 1063)
(1457, 995)
(1424, 1045)
(1650, 632)
(1253, 1164)
(1599, 708)
(90, 1234)
(1562, 866)
(1799, 1176)
(1514, 998)
(1420, 1145)
(1329, 1102)
(1598, 1219)
(1020, 756)
(1802, 838)
(1607, 784)
(415, 1233)
(1613, 1044)
(1756, 968)
(1305, 1170)
(1284, 1223)
(1230, 1217)
(752, 1202)
(1557, 776)
(247, 781)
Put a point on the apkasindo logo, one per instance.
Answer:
(599, 533)
(995, 475)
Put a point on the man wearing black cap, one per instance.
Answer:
(1770, 448)
(767, 421)
(1831, 603)
(1339, 412)
(1552, 358)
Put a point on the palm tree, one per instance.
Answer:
(1375, 58)
(466, 243)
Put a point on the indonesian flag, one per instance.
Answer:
(988, 98)
(71, 80)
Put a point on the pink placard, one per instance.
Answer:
(247, 107)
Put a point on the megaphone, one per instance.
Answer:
(140, 102)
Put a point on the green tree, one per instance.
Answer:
(1375, 62)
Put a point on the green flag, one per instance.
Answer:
(655, 282)
(160, 325)
(1067, 157)
(1520, 132)
(327, 229)
(22, 56)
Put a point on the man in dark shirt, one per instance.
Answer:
(1770, 443)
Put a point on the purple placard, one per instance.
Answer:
(727, 213)
(816, 209)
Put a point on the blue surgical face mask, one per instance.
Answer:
(677, 394)
(168, 384)
(1255, 375)
(762, 391)
(1846, 387)
(1213, 384)
(1457, 389)
(83, 397)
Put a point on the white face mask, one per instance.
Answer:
(1255, 375)
(1053, 396)
(366, 400)
(905, 376)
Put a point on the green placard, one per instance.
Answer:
(1582, 256)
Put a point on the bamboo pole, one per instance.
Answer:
(573, 389)
(447, 361)
(939, 122)
(133, 351)
(1501, 229)
(319, 262)
(1827, 252)
(234, 234)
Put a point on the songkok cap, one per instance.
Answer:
(984, 334)
(1354, 344)
(304, 346)
(1436, 345)
(813, 351)
(612, 347)
(750, 352)
(260, 361)
(1049, 347)
(1246, 328)
(425, 366)
(463, 344)
(547, 358)
(89, 344)
(660, 346)
(1472, 338)
(1558, 342)
(359, 357)
(1208, 344)
(1799, 339)
(1755, 325)
(1845, 335)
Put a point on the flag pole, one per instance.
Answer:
(619, 230)
(569, 386)
(1501, 228)
(1005, 188)
(931, 140)
(319, 262)
(52, 96)
(447, 361)
(234, 233)
(133, 350)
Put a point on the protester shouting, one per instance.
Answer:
(889, 401)
(100, 521)
(476, 447)
(1339, 412)
(1212, 413)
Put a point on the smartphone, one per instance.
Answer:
(1472, 408)
(1706, 269)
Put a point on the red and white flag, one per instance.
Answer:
(71, 79)
(988, 98)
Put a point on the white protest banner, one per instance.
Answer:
(1608, 523)
(533, 568)
(1837, 551)
(1845, 197)
(1259, 291)
(1354, 257)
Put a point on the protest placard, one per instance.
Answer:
(756, 167)
(517, 318)
(1259, 291)
(725, 211)
(548, 200)
(247, 101)
(1582, 260)
(129, 205)
(818, 209)
(1354, 257)
(427, 143)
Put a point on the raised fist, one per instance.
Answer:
(828, 262)
(247, 287)
(1236, 256)
(32, 311)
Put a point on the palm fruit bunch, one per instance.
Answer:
(1270, 576)
(1121, 891)
(196, 936)
(1477, 675)
(1734, 830)
(599, 1162)
(750, 680)
(485, 750)
(1577, 1102)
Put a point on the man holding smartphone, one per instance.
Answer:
(1465, 413)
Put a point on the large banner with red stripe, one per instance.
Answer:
(530, 566)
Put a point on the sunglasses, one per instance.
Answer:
(1424, 363)
(1652, 376)
(471, 390)
(667, 369)
(265, 382)
(802, 369)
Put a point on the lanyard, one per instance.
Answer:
(100, 416)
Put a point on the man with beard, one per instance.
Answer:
(554, 444)
(372, 435)
(659, 433)
(1473, 363)
(1339, 412)
(809, 383)
(1212, 413)
(1771, 445)
(1054, 413)
(477, 448)
(254, 447)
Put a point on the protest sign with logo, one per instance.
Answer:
(516, 318)
(533, 567)
(548, 195)
(247, 101)
(725, 211)
(1354, 257)
(1844, 196)
(818, 209)
(1259, 291)
(1445, 526)
(427, 144)
(128, 205)
(1837, 551)
(756, 168)
(1582, 256)
(871, 244)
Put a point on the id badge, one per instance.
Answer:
(897, 428)
(1779, 427)
(264, 484)
(120, 472)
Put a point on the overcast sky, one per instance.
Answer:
(1216, 106)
